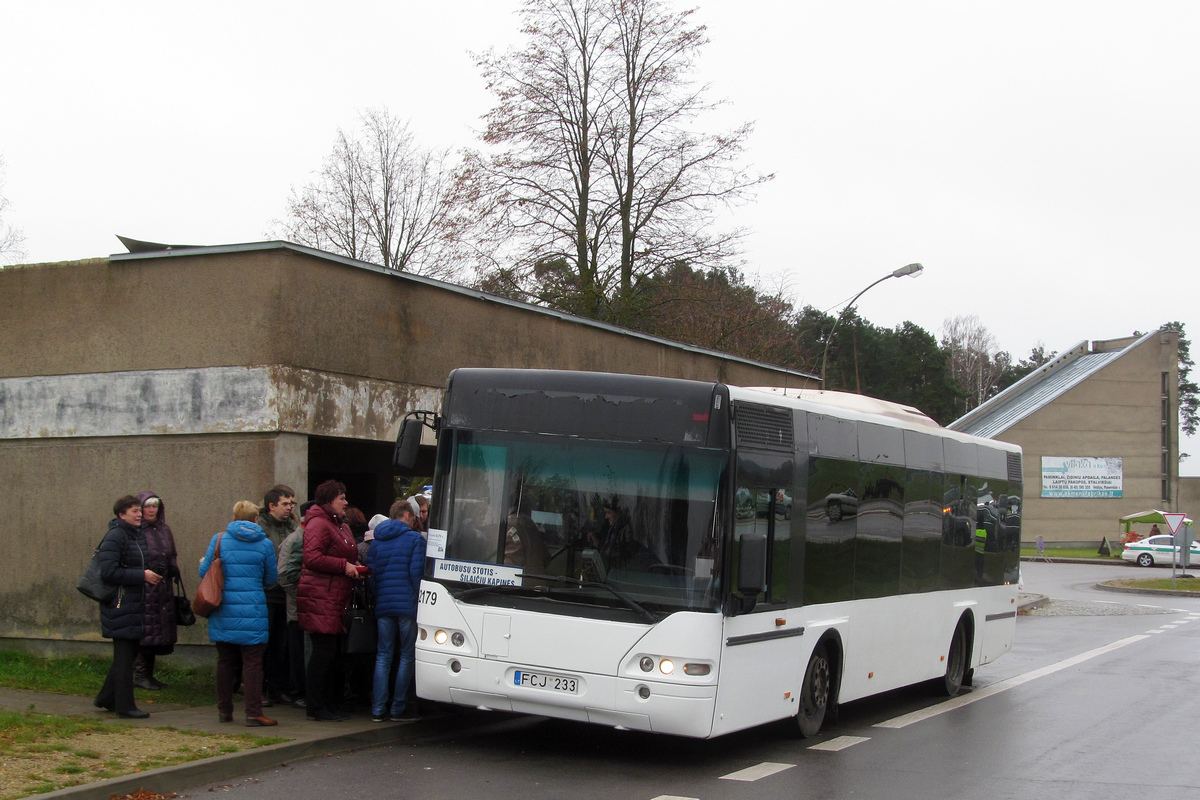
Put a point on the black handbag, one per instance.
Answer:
(361, 634)
(92, 585)
(183, 607)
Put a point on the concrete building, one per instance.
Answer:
(1099, 426)
(209, 374)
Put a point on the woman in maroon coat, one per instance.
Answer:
(159, 631)
(323, 594)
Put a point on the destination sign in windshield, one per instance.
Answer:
(474, 572)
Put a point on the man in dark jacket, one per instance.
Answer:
(277, 523)
(122, 619)
(396, 560)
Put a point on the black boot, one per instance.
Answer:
(143, 667)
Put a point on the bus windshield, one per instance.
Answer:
(604, 524)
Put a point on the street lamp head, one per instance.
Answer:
(911, 269)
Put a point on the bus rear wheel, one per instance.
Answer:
(956, 664)
(814, 693)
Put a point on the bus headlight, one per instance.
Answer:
(666, 666)
(696, 669)
(457, 639)
(647, 663)
(440, 637)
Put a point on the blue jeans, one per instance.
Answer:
(393, 630)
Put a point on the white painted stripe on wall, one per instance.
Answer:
(210, 400)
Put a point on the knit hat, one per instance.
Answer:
(375, 520)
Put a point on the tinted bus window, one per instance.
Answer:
(832, 511)
(1010, 532)
(880, 532)
(763, 504)
(958, 533)
(922, 549)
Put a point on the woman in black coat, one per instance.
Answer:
(122, 619)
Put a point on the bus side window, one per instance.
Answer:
(749, 519)
(762, 511)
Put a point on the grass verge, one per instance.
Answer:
(1189, 584)
(42, 753)
(84, 677)
(1070, 552)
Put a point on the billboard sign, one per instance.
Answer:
(1081, 476)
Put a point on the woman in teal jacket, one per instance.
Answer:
(238, 627)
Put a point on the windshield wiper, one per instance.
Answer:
(624, 598)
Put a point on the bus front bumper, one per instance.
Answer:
(644, 705)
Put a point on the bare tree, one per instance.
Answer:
(380, 197)
(541, 189)
(596, 178)
(667, 179)
(976, 363)
(12, 240)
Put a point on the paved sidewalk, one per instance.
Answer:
(308, 738)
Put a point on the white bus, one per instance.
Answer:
(694, 558)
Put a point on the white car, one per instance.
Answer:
(1158, 550)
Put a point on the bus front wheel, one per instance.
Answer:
(814, 693)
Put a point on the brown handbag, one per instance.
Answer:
(208, 595)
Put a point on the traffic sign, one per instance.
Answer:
(1173, 520)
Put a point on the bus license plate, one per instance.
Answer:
(544, 680)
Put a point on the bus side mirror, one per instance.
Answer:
(752, 570)
(408, 444)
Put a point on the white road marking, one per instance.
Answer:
(840, 743)
(996, 688)
(756, 772)
(674, 797)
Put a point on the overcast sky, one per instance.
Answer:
(1041, 159)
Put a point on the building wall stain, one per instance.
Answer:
(270, 398)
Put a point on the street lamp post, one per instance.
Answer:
(910, 269)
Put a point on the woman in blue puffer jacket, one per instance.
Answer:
(238, 627)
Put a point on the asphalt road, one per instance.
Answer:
(1097, 700)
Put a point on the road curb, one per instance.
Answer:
(1032, 601)
(180, 777)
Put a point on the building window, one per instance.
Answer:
(1166, 498)
(1165, 442)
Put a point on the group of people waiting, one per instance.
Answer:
(280, 628)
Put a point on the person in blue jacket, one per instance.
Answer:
(396, 560)
(238, 627)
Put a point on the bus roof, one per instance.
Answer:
(870, 406)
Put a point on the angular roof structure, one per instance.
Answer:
(1038, 389)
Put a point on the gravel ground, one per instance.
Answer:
(1087, 608)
